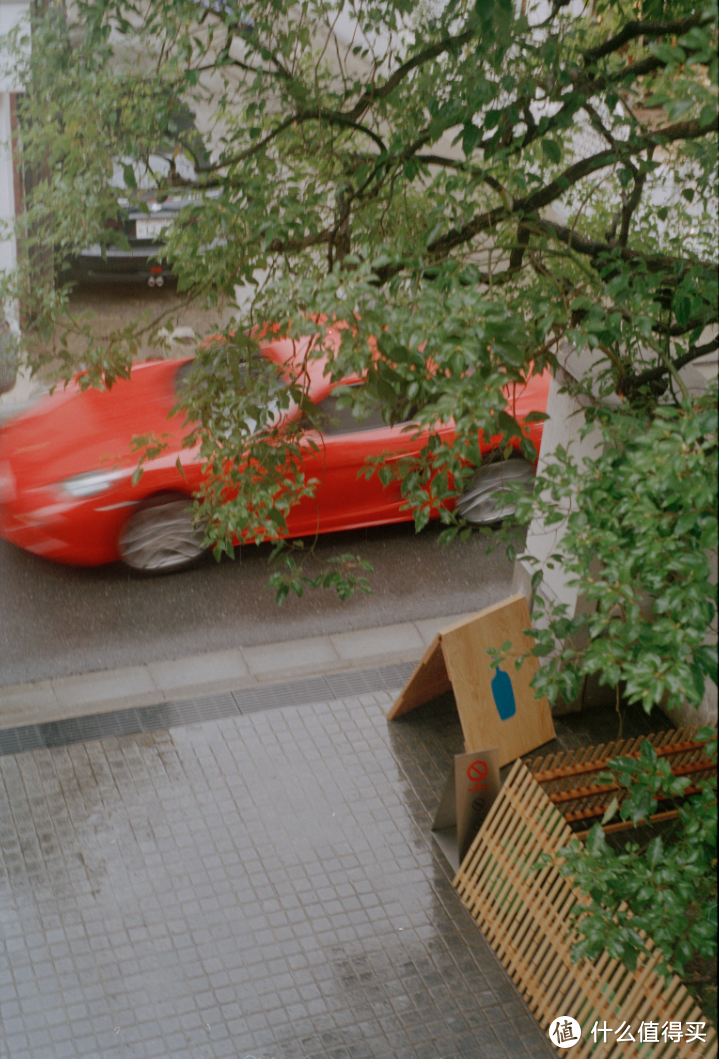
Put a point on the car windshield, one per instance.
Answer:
(332, 421)
(274, 409)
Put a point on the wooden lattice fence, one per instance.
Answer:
(569, 778)
(524, 913)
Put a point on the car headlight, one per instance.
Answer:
(9, 411)
(92, 483)
(8, 491)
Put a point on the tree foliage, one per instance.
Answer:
(664, 890)
(639, 534)
(469, 183)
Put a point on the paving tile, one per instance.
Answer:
(237, 888)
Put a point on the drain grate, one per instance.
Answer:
(135, 720)
(294, 693)
(320, 689)
(188, 711)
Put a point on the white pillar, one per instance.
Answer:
(563, 428)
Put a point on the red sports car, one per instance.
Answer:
(66, 467)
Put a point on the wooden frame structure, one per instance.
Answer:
(458, 660)
(570, 779)
(524, 914)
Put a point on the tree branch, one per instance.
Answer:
(593, 248)
(515, 258)
(630, 206)
(681, 130)
(373, 94)
(250, 151)
(545, 196)
(571, 175)
(332, 117)
(592, 85)
(481, 223)
(294, 246)
(632, 30)
(677, 330)
(651, 375)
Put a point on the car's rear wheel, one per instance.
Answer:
(486, 500)
(161, 537)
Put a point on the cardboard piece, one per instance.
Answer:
(472, 786)
(496, 705)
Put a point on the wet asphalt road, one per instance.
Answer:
(59, 620)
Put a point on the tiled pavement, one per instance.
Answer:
(260, 885)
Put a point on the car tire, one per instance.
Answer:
(485, 502)
(160, 537)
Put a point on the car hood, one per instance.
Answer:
(72, 431)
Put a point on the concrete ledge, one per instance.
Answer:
(198, 670)
(269, 661)
(375, 642)
(190, 677)
(116, 684)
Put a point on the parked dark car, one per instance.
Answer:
(138, 263)
(142, 218)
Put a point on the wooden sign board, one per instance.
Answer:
(496, 704)
(471, 789)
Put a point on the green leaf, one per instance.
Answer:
(471, 137)
(610, 811)
(655, 851)
(596, 842)
(708, 115)
(552, 150)
(667, 53)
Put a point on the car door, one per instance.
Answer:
(335, 453)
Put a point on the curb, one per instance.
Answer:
(239, 669)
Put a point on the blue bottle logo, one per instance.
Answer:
(503, 694)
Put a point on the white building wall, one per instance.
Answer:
(11, 16)
(8, 252)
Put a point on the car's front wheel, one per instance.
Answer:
(161, 536)
(486, 500)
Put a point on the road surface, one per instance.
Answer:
(61, 620)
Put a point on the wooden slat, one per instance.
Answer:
(581, 765)
(627, 825)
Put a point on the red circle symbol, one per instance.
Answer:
(477, 771)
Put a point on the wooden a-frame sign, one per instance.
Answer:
(496, 705)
